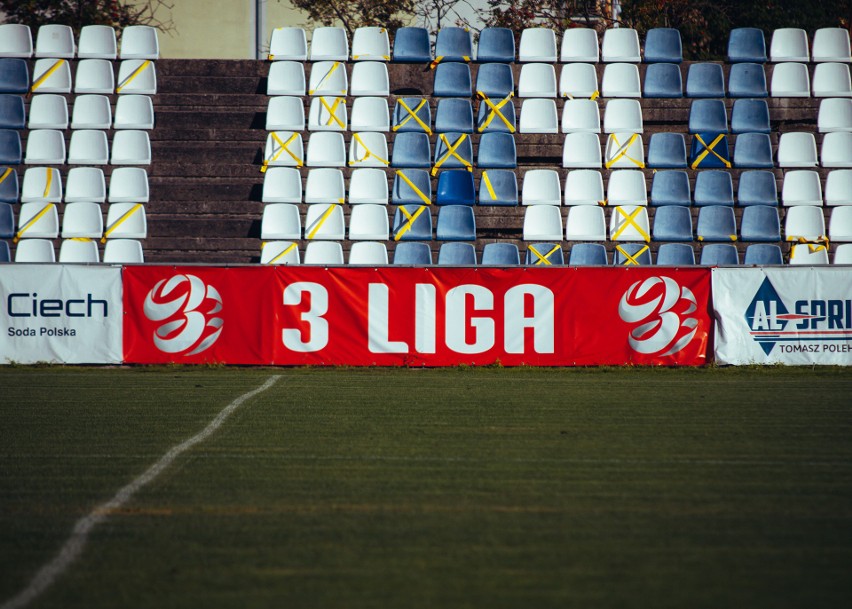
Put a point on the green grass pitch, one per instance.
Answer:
(433, 488)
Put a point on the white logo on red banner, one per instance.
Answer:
(189, 311)
(654, 307)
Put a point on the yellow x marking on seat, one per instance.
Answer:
(708, 149)
(32, 221)
(451, 151)
(543, 259)
(324, 78)
(409, 221)
(622, 152)
(321, 221)
(124, 217)
(628, 259)
(495, 111)
(282, 149)
(59, 62)
(413, 186)
(412, 114)
(130, 78)
(368, 153)
(332, 112)
(630, 220)
(286, 251)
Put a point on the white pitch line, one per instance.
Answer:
(82, 528)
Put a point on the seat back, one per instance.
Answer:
(663, 45)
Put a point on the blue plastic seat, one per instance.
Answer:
(666, 151)
(455, 187)
(495, 80)
(501, 254)
(411, 150)
(716, 223)
(5, 255)
(500, 118)
(675, 254)
(453, 151)
(760, 223)
(746, 44)
(453, 44)
(411, 186)
(497, 151)
(10, 147)
(412, 252)
(454, 115)
(12, 114)
(7, 221)
(747, 80)
(411, 45)
(753, 151)
(587, 254)
(757, 187)
(14, 75)
(713, 187)
(545, 254)
(719, 254)
(452, 79)
(750, 116)
(503, 188)
(412, 224)
(457, 254)
(708, 115)
(705, 80)
(672, 223)
(412, 114)
(763, 254)
(663, 80)
(8, 185)
(663, 44)
(456, 223)
(631, 254)
(709, 151)
(670, 188)
(496, 44)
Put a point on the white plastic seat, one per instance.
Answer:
(325, 221)
(279, 252)
(54, 40)
(840, 226)
(804, 223)
(325, 185)
(541, 187)
(368, 185)
(538, 116)
(282, 185)
(329, 43)
(585, 223)
(369, 222)
(808, 254)
(832, 80)
(33, 224)
(623, 115)
(97, 42)
(801, 187)
(836, 149)
(128, 184)
(838, 187)
(48, 111)
(91, 112)
(85, 184)
(35, 250)
(578, 80)
(328, 78)
(621, 80)
(283, 149)
(94, 76)
(327, 114)
(790, 80)
(797, 149)
(619, 45)
(323, 253)
(288, 43)
(542, 223)
(88, 147)
(581, 115)
(627, 187)
(580, 44)
(624, 149)
(370, 44)
(131, 147)
(369, 78)
(537, 45)
(126, 221)
(370, 114)
(368, 252)
(51, 76)
(789, 44)
(16, 40)
(134, 112)
(82, 220)
(629, 223)
(368, 149)
(280, 221)
(835, 115)
(286, 78)
(139, 42)
(581, 150)
(78, 251)
(831, 44)
(45, 147)
(285, 113)
(41, 184)
(843, 254)
(123, 251)
(537, 80)
(584, 187)
(136, 77)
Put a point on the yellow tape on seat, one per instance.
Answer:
(708, 149)
(286, 251)
(630, 219)
(622, 152)
(369, 152)
(322, 220)
(495, 111)
(135, 73)
(32, 221)
(412, 114)
(413, 186)
(631, 259)
(283, 148)
(451, 151)
(411, 218)
(47, 74)
(124, 217)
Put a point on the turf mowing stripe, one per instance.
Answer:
(82, 528)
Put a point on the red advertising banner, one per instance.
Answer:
(417, 316)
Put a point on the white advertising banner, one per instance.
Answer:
(798, 316)
(60, 314)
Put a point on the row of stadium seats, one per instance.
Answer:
(80, 220)
(126, 184)
(49, 111)
(86, 147)
(116, 251)
(135, 77)
(95, 42)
